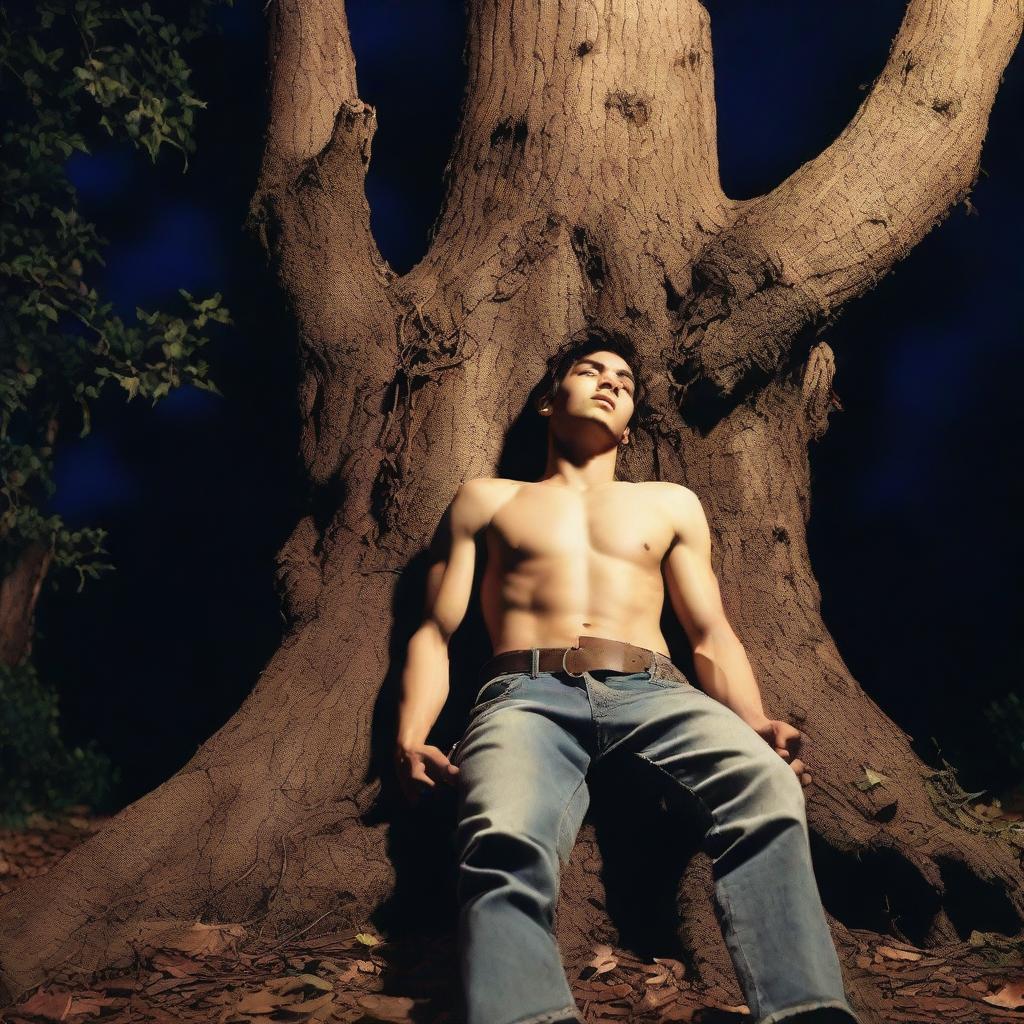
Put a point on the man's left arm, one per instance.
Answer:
(719, 659)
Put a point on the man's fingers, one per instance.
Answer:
(785, 733)
(801, 772)
(423, 768)
(783, 753)
(437, 764)
(434, 757)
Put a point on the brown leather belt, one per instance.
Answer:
(592, 653)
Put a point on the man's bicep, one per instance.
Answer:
(692, 586)
(453, 560)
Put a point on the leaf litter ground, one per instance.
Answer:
(221, 974)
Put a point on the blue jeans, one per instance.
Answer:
(522, 795)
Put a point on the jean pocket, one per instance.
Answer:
(634, 681)
(621, 680)
(498, 688)
(669, 681)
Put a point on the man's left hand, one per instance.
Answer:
(785, 740)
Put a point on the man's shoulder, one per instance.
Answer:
(491, 479)
(483, 485)
(479, 498)
(680, 505)
(675, 492)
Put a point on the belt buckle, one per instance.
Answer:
(565, 668)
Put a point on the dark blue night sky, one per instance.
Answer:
(916, 483)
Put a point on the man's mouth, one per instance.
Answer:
(607, 401)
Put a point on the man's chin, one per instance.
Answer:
(595, 411)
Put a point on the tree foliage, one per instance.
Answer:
(37, 769)
(75, 75)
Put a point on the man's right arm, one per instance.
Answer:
(425, 683)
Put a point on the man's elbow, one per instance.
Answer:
(432, 634)
(711, 636)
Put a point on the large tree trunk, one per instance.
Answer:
(583, 188)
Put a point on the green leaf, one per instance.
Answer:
(36, 50)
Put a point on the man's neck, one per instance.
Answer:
(563, 473)
(578, 469)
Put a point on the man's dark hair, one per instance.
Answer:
(582, 343)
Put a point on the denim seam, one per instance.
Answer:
(715, 827)
(565, 811)
(552, 1016)
(488, 683)
(665, 682)
(595, 719)
(780, 1016)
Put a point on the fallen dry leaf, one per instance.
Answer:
(389, 1008)
(175, 965)
(46, 1005)
(280, 998)
(898, 954)
(346, 976)
(872, 779)
(603, 960)
(1011, 995)
(162, 985)
(90, 1005)
(200, 939)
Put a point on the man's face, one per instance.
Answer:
(599, 387)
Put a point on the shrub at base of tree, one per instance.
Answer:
(38, 771)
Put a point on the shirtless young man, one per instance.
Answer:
(572, 595)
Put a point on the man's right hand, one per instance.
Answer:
(420, 767)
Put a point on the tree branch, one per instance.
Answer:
(835, 227)
(312, 73)
(309, 205)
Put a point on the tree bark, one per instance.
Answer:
(583, 188)
(19, 593)
(21, 587)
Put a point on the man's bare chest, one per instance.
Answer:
(625, 523)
